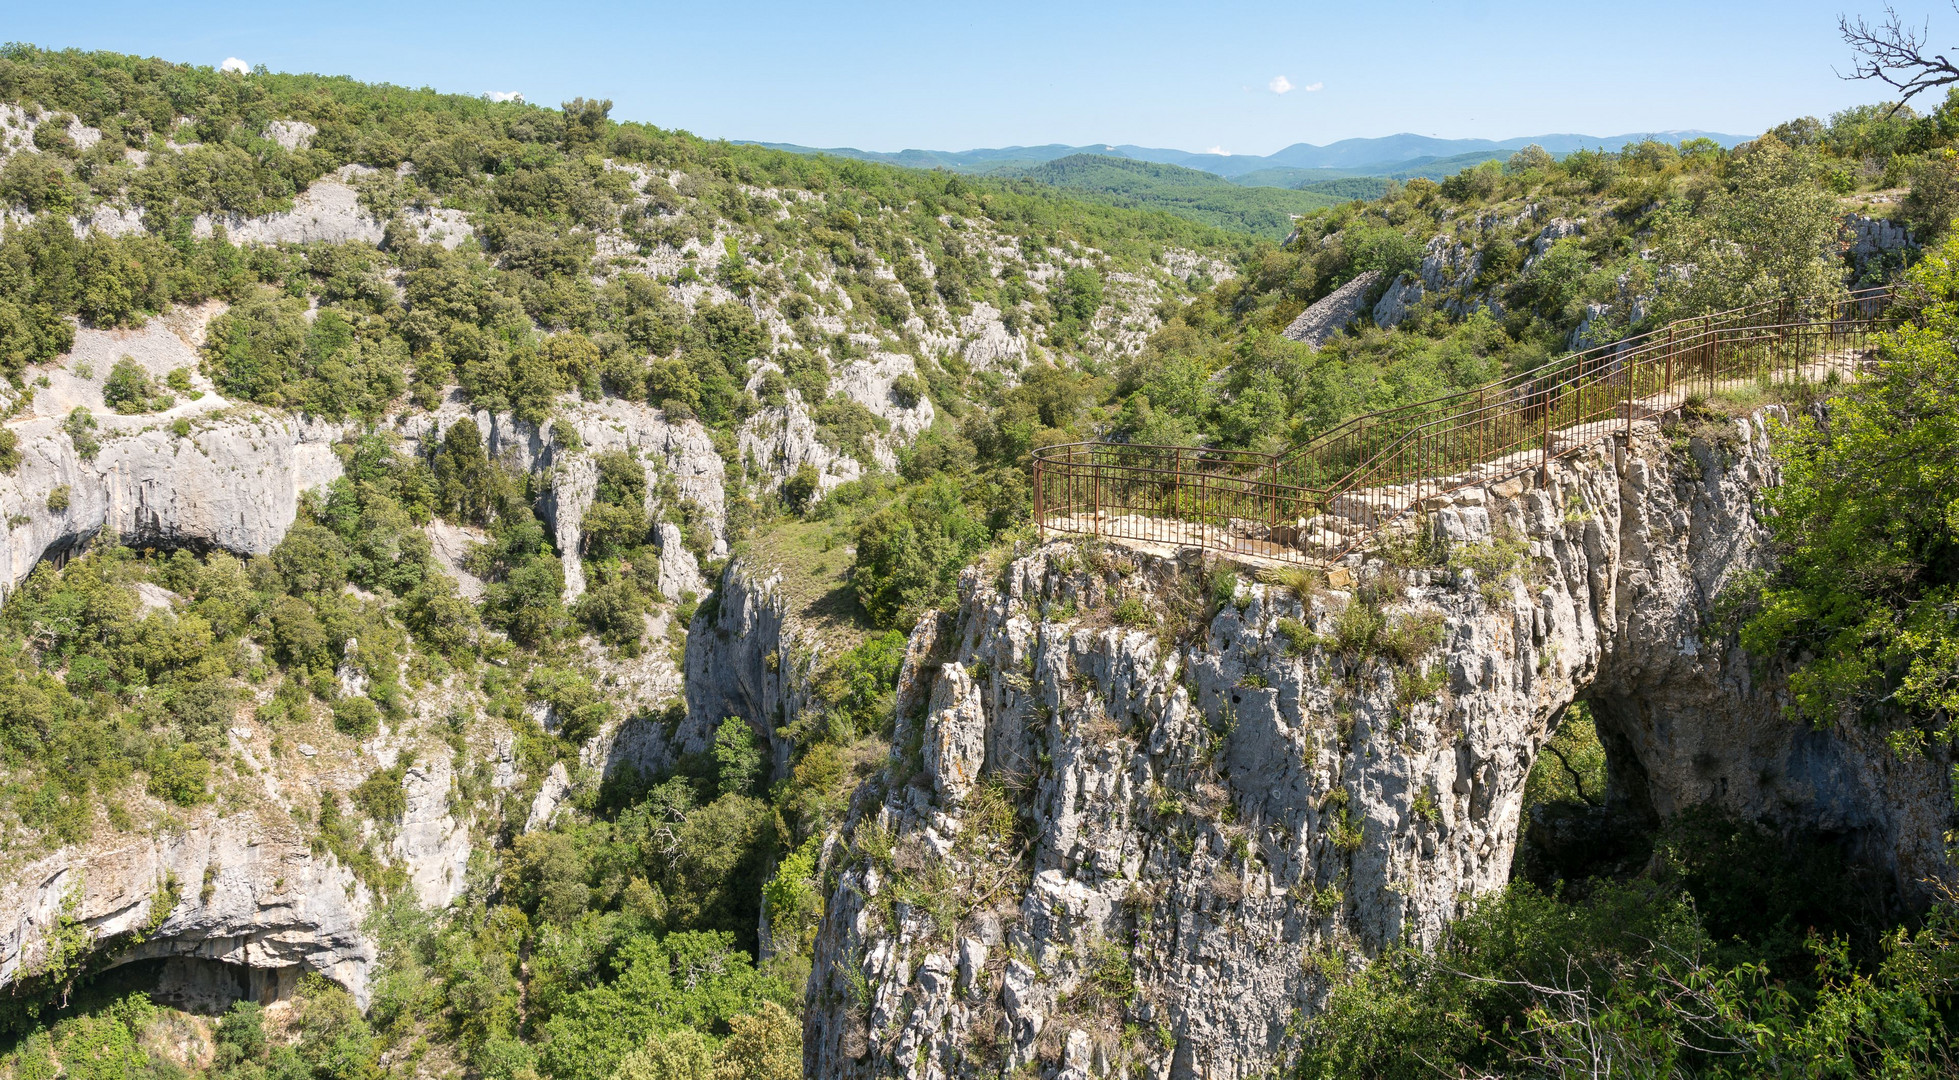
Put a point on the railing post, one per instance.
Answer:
(1040, 517)
(1095, 495)
(1666, 387)
(1710, 351)
(1628, 365)
(1177, 487)
(1272, 496)
(1544, 462)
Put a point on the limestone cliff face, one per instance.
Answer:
(1203, 827)
(678, 451)
(232, 481)
(749, 658)
(242, 885)
(232, 478)
(247, 892)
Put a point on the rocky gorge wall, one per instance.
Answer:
(1100, 848)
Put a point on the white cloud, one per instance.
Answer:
(1309, 88)
(232, 63)
(1279, 84)
(504, 95)
(1219, 150)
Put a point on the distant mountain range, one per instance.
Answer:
(1243, 192)
(1388, 156)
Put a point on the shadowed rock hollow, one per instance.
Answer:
(1099, 845)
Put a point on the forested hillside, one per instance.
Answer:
(1265, 212)
(562, 372)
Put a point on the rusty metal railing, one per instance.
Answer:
(1329, 496)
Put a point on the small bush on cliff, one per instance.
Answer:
(129, 389)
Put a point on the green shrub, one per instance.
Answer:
(739, 762)
(80, 426)
(179, 774)
(58, 498)
(909, 555)
(1495, 565)
(845, 425)
(1412, 636)
(801, 487)
(1358, 627)
(615, 613)
(1866, 528)
(907, 391)
(1131, 611)
(1571, 767)
(1626, 969)
(266, 350)
(381, 795)
(356, 716)
(241, 1034)
(686, 980)
(129, 389)
(1298, 637)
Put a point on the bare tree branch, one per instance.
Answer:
(1577, 780)
(1895, 54)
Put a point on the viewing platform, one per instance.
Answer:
(1332, 496)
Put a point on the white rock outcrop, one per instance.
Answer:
(430, 842)
(679, 572)
(681, 451)
(747, 658)
(1398, 302)
(290, 134)
(329, 212)
(989, 346)
(781, 439)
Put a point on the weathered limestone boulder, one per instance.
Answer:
(680, 572)
(291, 134)
(1872, 237)
(1216, 812)
(781, 439)
(431, 843)
(1449, 264)
(1555, 230)
(1398, 302)
(872, 383)
(329, 212)
(989, 346)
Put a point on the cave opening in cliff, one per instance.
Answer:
(1596, 810)
(1588, 807)
(194, 984)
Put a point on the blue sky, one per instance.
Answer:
(887, 76)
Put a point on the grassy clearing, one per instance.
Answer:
(814, 559)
